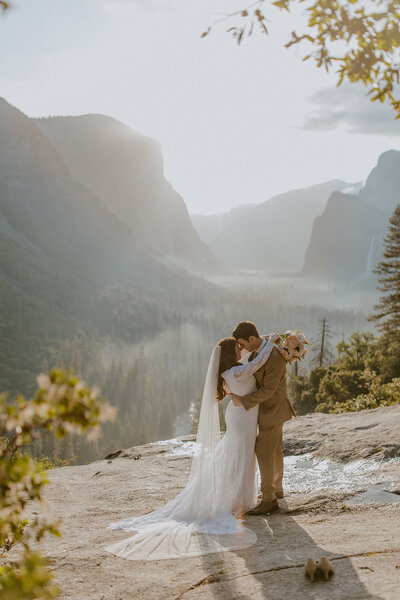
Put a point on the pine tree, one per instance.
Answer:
(75, 363)
(44, 366)
(143, 435)
(387, 312)
(67, 449)
(322, 353)
(166, 422)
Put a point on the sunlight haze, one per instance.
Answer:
(233, 122)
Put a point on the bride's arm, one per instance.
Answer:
(242, 372)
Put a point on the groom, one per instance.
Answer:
(275, 409)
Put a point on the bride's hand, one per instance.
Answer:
(236, 400)
(274, 337)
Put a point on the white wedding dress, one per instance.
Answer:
(205, 516)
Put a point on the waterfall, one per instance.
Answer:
(369, 265)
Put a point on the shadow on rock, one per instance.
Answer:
(273, 569)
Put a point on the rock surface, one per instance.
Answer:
(362, 541)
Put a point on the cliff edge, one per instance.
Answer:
(342, 484)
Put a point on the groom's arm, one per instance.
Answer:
(274, 371)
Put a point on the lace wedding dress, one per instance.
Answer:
(205, 516)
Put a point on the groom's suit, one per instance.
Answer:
(275, 409)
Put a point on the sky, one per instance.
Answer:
(237, 125)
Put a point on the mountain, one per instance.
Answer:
(347, 239)
(124, 169)
(382, 188)
(210, 226)
(274, 234)
(67, 262)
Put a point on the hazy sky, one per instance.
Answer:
(236, 124)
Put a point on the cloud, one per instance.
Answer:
(348, 107)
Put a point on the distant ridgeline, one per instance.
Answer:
(333, 231)
(275, 233)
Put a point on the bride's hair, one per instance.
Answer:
(227, 361)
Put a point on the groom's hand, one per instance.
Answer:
(237, 401)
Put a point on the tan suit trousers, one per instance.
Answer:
(269, 453)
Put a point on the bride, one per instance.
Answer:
(205, 517)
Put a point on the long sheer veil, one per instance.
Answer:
(199, 519)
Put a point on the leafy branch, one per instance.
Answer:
(359, 38)
(63, 404)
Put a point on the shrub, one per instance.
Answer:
(63, 404)
(379, 394)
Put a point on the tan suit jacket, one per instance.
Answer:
(271, 394)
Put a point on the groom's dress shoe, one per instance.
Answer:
(279, 495)
(264, 508)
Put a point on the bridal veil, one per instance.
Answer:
(199, 519)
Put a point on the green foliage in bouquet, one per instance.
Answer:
(63, 404)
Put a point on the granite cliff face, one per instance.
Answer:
(51, 217)
(382, 188)
(124, 169)
(347, 239)
(67, 261)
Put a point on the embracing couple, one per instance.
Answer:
(207, 515)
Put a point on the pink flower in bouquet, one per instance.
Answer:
(302, 338)
(292, 340)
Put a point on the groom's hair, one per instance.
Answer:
(244, 330)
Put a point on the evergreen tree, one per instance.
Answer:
(67, 449)
(355, 354)
(166, 423)
(387, 312)
(44, 366)
(143, 436)
(75, 363)
(322, 352)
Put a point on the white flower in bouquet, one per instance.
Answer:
(292, 345)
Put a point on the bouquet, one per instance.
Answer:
(292, 345)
